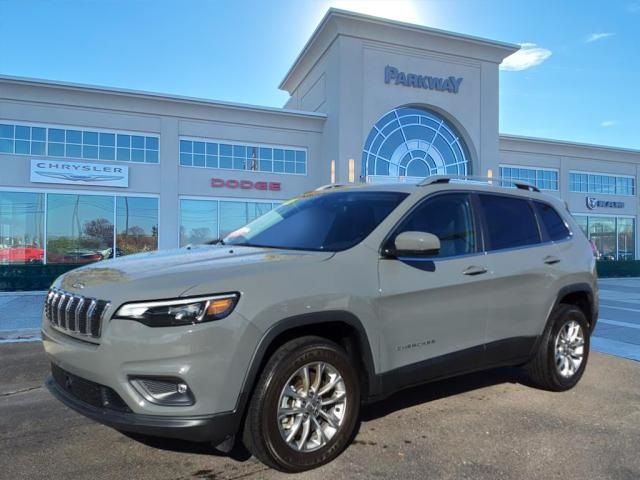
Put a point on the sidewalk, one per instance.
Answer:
(20, 316)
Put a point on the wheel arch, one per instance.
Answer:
(581, 295)
(340, 326)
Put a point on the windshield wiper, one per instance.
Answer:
(217, 241)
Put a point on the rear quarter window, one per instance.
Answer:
(509, 222)
(553, 226)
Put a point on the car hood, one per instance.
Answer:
(171, 273)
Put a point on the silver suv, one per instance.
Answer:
(275, 335)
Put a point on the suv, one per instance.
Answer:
(276, 334)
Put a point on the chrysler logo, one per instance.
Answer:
(78, 285)
(80, 178)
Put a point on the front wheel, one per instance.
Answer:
(562, 354)
(305, 406)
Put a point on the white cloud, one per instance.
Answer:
(608, 123)
(529, 55)
(594, 37)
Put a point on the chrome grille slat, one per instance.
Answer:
(61, 306)
(74, 313)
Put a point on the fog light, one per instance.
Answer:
(163, 390)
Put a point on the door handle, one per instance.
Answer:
(474, 270)
(550, 260)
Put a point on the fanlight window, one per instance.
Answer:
(409, 143)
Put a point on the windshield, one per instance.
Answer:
(331, 221)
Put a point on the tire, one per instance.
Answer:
(559, 372)
(266, 437)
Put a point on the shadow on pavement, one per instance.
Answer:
(398, 401)
(429, 392)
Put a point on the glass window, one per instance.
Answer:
(243, 157)
(509, 222)
(602, 232)
(136, 225)
(603, 184)
(79, 228)
(583, 223)
(450, 218)
(626, 239)
(234, 215)
(21, 227)
(198, 221)
(417, 132)
(324, 221)
(544, 179)
(553, 226)
(89, 144)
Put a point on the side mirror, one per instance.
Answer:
(416, 244)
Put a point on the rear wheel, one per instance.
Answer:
(305, 406)
(562, 354)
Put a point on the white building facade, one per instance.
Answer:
(90, 173)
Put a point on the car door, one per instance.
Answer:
(434, 309)
(524, 267)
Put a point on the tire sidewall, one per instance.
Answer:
(564, 315)
(290, 459)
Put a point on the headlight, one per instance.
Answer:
(184, 311)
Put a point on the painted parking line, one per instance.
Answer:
(615, 347)
(626, 309)
(619, 323)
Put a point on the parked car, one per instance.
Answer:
(79, 256)
(277, 334)
(21, 254)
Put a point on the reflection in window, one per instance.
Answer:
(510, 222)
(136, 225)
(198, 221)
(79, 228)
(234, 215)
(602, 231)
(204, 220)
(613, 237)
(21, 227)
(449, 218)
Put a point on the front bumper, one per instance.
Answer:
(200, 428)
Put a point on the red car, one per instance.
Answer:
(22, 254)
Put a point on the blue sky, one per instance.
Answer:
(579, 78)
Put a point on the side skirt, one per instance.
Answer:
(507, 352)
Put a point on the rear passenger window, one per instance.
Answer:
(554, 227)
(509, 221)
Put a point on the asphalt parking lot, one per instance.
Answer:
(483, 426)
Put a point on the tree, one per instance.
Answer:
(101, 229)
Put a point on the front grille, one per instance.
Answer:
(87, 391)
(74, 313)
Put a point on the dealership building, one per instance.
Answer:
(89, 173)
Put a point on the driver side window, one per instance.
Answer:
(447, 216)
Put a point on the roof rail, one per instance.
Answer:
(495, 181)
(329, 187)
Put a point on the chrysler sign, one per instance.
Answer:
(449, 84)
(75, 173)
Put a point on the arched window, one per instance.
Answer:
(410, 143)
